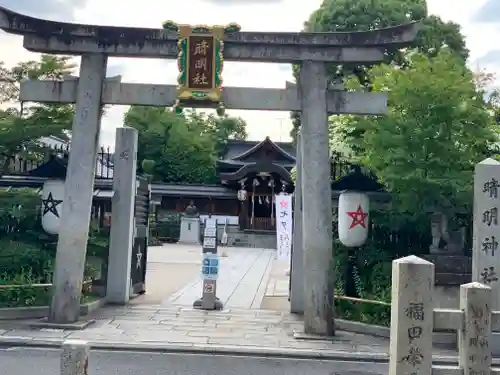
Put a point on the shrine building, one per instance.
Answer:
(251, 174)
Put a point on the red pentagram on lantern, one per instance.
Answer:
(358, 217)
(284, 204)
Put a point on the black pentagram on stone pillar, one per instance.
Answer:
(50, 205)
(138, 263)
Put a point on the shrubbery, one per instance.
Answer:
(27, 252)
(389, 239)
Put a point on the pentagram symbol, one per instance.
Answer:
(358, 217)
(50, 205)
(138, 263)
(284, 204)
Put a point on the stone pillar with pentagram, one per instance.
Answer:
(122, 220)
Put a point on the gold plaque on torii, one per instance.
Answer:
(200, 61)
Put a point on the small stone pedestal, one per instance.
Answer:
(190, 230)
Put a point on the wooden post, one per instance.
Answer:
(412, 323)
(75, 357)
(474, 338)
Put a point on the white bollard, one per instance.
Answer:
(474, 338)
(412, 323)
(75, 357)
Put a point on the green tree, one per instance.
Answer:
(219, 129)
(362, 15)
(425, 148)
(181, 148)
(22, 126)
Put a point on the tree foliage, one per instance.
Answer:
(425, 148)
(22, 126)
(362, 15)
(182, 148)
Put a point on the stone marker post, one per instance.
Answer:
(210, 268)
(317, 208)
(79, 189)
(297, 269)
(75, 357)
(412, 323)
(485, 252)
(474, 338)
(122, 220)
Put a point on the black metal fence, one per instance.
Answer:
(25, 165)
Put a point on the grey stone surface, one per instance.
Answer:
(28, 361)
(122, 230)
(244, 98)
(44, 323)
(474, 339)
(34, 312)
(411, 316)
(284, 53)
(240, 276)
(236, 330)
(485, 251)
(317, 211)
(297, 267)
(79, 188)
(75, 357)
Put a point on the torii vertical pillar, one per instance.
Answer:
(79, 188)
(317, 207)
(121, 238)
(297, 269)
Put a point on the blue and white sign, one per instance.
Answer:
(210, 266)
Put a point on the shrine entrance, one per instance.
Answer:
(201, 52)
(258, 211)
(257, 174)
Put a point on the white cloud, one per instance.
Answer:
(285, 15)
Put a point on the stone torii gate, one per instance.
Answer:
(312, 97)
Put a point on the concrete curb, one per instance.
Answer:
(37, 312)
(448, 339)
(330, 355)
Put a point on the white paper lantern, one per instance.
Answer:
(353, 218)
(52, 202)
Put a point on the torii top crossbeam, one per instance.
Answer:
(75, 39)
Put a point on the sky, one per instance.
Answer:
(480, 21)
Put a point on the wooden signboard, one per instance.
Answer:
(200, 61)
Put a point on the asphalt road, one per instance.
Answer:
(42, 361)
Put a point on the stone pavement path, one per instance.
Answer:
(277, 291)
(142, 327)
(242, 282)
(170, 267)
